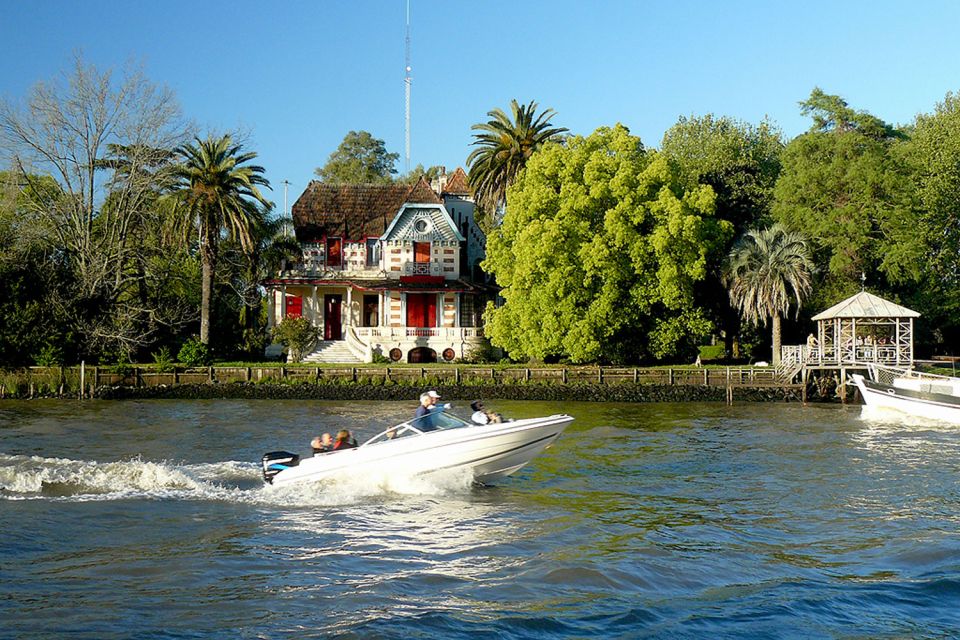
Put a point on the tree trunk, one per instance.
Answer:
(208, 260)
(776, 340)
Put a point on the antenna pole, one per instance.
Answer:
(406, 82)
(287, 231)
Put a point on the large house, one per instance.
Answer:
(386, 269)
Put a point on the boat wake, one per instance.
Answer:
(62, 479)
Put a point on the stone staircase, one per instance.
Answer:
(332, 352)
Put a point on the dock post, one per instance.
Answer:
(843, 385)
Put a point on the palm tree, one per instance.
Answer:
(217, 194)
(765, 272)
(503, 148)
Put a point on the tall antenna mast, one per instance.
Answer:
(406, 82)
(287, 227)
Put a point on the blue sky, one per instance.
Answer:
(298, 75)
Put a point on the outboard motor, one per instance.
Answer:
(276, 461)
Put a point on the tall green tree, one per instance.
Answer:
(217, 194)
(741, 162)
(844, 186)
(429, 173)
(360, 159)
(933, 158)
(599, 253)
(767, 271)
(504, 145)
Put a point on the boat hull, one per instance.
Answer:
(933, 406)
(489, 452)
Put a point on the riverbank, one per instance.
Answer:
(626, 392)
(373, 382)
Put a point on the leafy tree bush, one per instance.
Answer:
(163, 360)
(50, 355)
(599, 252)
(296, 335)
(194, 353)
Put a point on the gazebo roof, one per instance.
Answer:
(866, 305)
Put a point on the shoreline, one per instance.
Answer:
(613, 384)
(627, 392)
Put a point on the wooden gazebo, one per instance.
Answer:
(862, 329)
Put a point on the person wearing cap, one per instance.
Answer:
(428, 406)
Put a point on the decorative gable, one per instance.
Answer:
(423, 223)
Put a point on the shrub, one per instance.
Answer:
(483, 353)
(163, 360)
(50, 355)
(296, 335)
(194, 353)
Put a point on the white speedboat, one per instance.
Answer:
(925, 395)
(434, 442)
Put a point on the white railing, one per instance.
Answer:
(831, 354)
(792, 354)
(401, 333)
(423, 268)
(361, 349)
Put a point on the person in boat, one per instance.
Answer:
(482, 416)
(344, 441)
(428, 407)
(322, 444)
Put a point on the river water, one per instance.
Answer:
(149, 520)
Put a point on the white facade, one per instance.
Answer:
(401, 294)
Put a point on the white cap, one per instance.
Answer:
(433, 394)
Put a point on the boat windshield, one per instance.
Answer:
(439, 421)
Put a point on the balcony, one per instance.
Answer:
(422, 269)
(402, 333)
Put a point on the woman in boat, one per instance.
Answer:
(344, 441)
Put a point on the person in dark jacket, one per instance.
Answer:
(344, 441)
(322, 444)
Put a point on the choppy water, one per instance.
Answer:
(149, 520)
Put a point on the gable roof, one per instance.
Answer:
(353, 210)
(866, 305)
(457, 183)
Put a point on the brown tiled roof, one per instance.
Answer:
(353, 211)
(457, 183)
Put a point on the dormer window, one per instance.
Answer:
(373, 252)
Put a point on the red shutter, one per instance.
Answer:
(334, 252)
(421, 252)
(294, 306)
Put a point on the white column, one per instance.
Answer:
(271, 308)
(349, 319)
(315, 309)
(456, 309)
(911, 340)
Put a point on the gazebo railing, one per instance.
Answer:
(832, 355)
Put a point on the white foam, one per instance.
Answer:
(38, 478)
